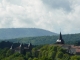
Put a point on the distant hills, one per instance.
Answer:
(68, 38)
(35, 36)
(11, 33)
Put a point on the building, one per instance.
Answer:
(21, 48)
(60, 40)
(71, 49)
(74, 50)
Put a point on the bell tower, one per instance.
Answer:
(60, 40)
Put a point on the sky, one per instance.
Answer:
(52, 15)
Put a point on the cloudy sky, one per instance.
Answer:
(45, 14)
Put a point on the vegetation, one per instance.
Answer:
(45, 52)
(69, 39)
(19, 32)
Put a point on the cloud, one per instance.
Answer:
(50, 15)
(64, 4)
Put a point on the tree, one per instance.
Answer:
(30, 58)
(34, 52)
(62, 50)
(9, 52)
(18, 58)
(66, 57)
(75, 57)
(35, 59)
(59, 55)
(52, 55)
(28, 54)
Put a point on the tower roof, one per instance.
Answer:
(60, 36)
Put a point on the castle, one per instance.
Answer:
(21, 48)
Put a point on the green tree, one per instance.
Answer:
(35, 59)
(34, 52)
(66, 57)
(30, 58)
(28, 55)
(52, 55)
(18, 58)
(9, 52)
(75, 57)
(62, 50)
(59, 55)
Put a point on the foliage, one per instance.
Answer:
(68, 38)
(45, 52)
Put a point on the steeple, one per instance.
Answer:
(60, 40)
(60, 36)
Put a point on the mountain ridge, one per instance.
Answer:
(68, 38)
(11, 33)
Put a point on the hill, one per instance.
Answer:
(11, 33)
(68, 38)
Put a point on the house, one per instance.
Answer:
(75, 49)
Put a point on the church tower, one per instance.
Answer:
(60, 40)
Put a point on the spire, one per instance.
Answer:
(60, 40)
(60, 36)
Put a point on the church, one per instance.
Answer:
(60, 40)
(71, 49)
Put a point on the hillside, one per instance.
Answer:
(45, 52)
(68, 38)
(11, 33)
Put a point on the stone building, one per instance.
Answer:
(21, 48)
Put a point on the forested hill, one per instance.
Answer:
(69, 39)
(10, 33)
